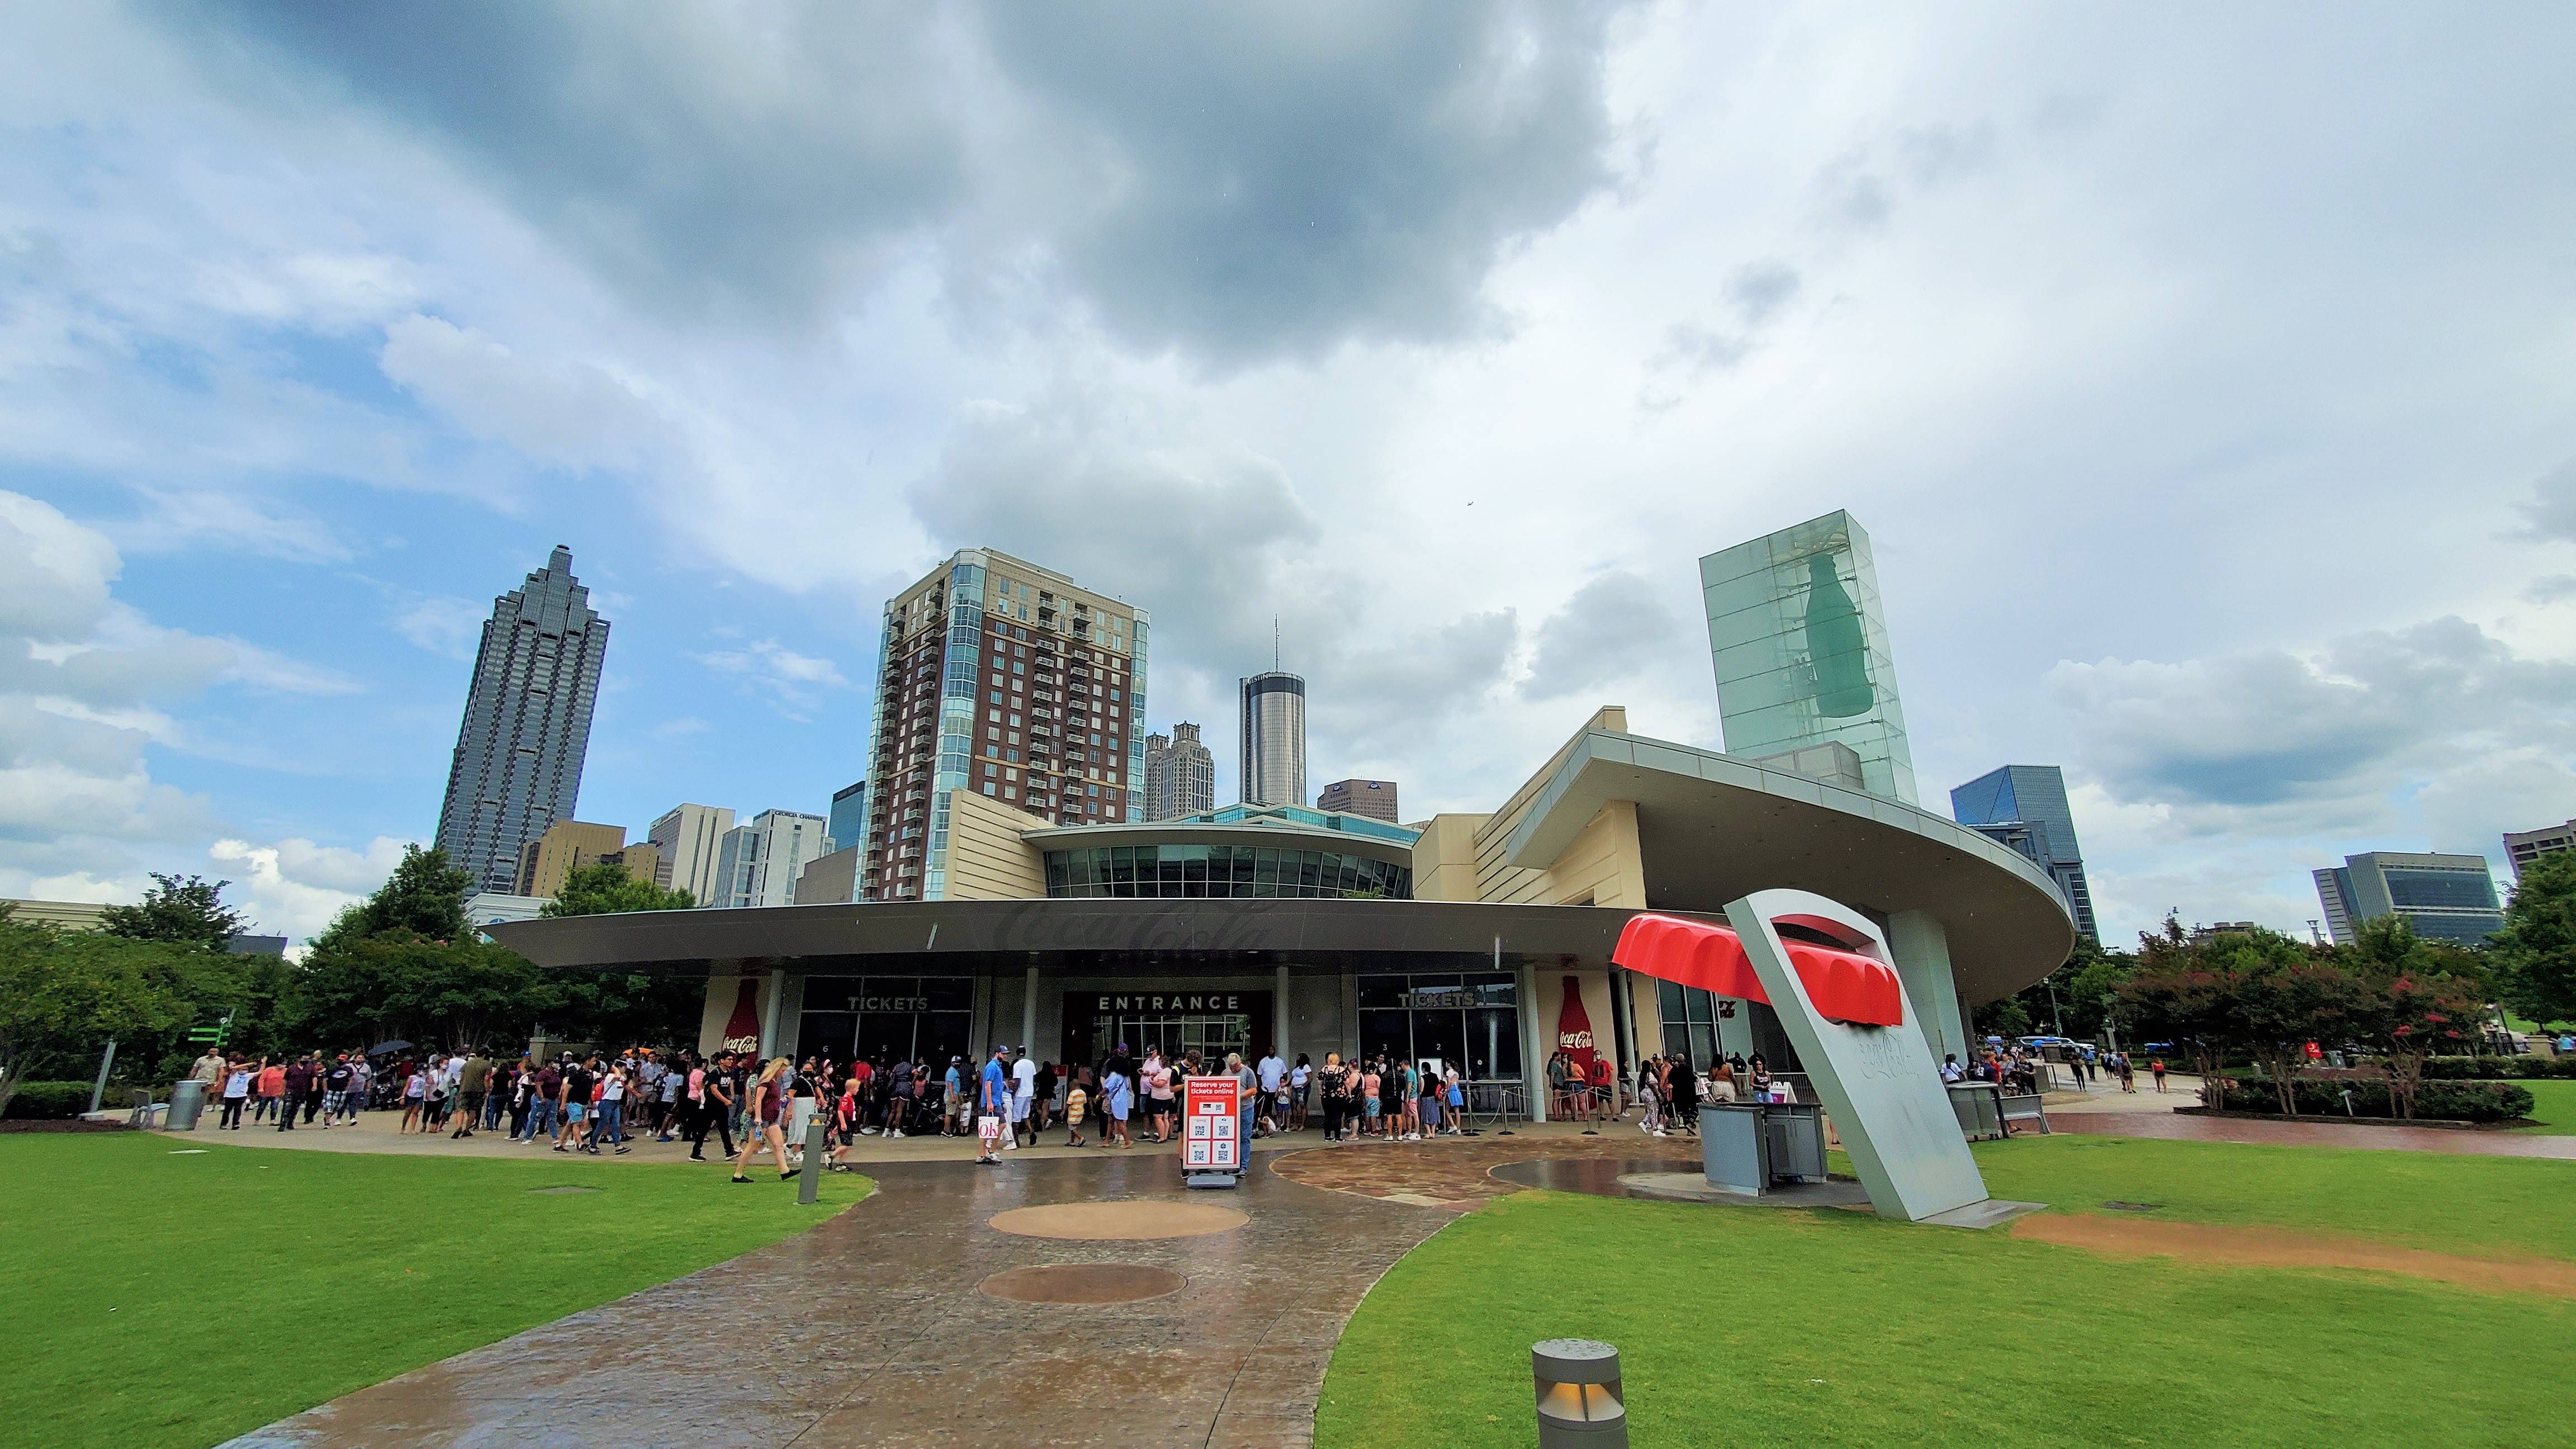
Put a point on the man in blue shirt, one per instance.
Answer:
(992, 1099)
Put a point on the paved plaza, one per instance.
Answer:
(872, 1330)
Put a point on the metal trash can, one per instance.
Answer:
(187, 1102)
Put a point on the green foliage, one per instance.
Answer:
(604, 888)
(623, 1006)
(65, 994)
(47, 1101)
(2494, 1069)
(2252, 994)
(188, 912)
(424, 897)
(2434, 1100)
(448, 995)
(2004, 1018)
(2535, 953)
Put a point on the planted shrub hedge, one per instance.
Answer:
(49, 1101)
(2443, 1101)
(2497, 1069)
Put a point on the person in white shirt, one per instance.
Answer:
(1298, 1076)
(1950, 1069)
(1273, 1074)
(1024, 1090)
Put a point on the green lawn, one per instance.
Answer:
(2553, 1106)
(1756, 1327)
(161, 1298)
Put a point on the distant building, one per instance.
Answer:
(61, 915)
(545, 861)
(2523, 847)
(2203, 935)
(2024, 806)
(1799, 645)
(1372, 798)
(2444, 897)
(849, 817)
(492, 908)
(1180, 774)
(642, 860)
(1011, 681)
(517, 763)
(758, 863)
(829, 879)
(1273, 724)
(687, 838)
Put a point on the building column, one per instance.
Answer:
(1623, 1019)
(1279, 1018)
(770, 1012)
(1533, 1059)
(1029, 1014)
(1922, 951)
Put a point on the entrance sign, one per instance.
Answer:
(1210, 1127)
(1845, 1010)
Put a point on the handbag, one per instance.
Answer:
(989, 1128)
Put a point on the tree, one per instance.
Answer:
(2282, 1007)
(2535, 953)
(424, 897)
(2004, 1018)
(624, 1006)
(454, 995)
(2416, 1017)
(191, 912)
(65, 994)
(604, 888)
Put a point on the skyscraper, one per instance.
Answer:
(688, 837)
(1372, 798)
(2522, 847)
(2024, 806)
(758, 863)
(1180, 774)
(2444, 897)
(1274, 740)
(517, 767)
(1799, 644)
(849, 815)
(1010, 680)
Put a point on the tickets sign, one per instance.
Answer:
(1211, 1138)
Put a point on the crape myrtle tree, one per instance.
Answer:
(2535, 953)
(623, 1006)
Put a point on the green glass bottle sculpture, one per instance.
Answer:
(1836, 648)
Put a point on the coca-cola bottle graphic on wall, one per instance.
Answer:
(1836, 649)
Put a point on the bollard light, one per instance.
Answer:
(1579, 1398)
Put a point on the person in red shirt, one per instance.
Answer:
(1604, 1097)
(272, 1090)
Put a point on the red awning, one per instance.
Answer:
(1844, 985)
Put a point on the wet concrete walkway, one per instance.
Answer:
(869, 1330)
(2319, 1133)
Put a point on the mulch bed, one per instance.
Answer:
(65, 1124)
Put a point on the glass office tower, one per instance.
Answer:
(2024, 806)
(1800, 648)
(2444, 897)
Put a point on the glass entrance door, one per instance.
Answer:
(1210, 1034)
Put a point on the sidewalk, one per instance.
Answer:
(374, 1132)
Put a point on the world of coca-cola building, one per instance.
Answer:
(1483, 941)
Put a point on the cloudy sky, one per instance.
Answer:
(2205, 377)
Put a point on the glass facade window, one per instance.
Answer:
(1244, 871)
(2418, 889)
(1471, 1020)
(882, 1017)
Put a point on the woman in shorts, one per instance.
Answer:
(768, 1110)
(1368, 1101)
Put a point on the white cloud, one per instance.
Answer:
(293, 887)
(793, 682)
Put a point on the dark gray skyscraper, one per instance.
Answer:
(527, 724)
